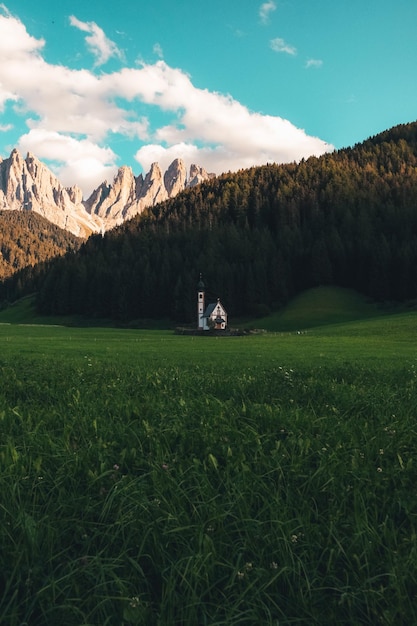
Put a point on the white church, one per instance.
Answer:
(212, 316)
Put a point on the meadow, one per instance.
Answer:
(148, 478)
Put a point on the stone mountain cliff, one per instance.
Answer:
(129, 195)
(27, 184)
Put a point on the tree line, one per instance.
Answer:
(27, 238)
(259, 236)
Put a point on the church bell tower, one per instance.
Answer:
(200, 303)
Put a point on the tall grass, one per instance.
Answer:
(153, 479)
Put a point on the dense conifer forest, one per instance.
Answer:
(27, 238)
(259, 236)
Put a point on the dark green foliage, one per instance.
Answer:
(155, 480)
(260, 236)
(27, 240)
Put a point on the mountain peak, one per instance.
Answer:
(198, 175)
(15, 158)
(128, 195)
(29, 184)
(175, 177)
(31, 157)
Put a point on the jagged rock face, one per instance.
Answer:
(75, 194)
(128, 195)
(198, 175)
(153, 188)
(27, 184)
(175, 178)
(149, 191)
(110, 201)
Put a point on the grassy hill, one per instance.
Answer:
(23, 311)
(260, 237)
(320, 306)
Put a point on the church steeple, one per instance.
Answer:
(200, 303)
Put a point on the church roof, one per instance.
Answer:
(210, 308)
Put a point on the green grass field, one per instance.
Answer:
(148, 478)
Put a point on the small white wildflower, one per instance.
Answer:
(134, 602)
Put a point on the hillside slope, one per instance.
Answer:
(320, 306)
(27, 238)
(260, 237)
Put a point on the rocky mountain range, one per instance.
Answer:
(28, 184)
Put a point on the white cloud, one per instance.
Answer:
(72, 116)
(164, 156)
(15, 41)
(215, 130)
(100, 46)
(314, 63)
(6, 96)
(265, 10)
(280, 45)
(5, 127)
(158, 50)
(78, 160)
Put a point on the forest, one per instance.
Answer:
(259, 237)
(27, 239)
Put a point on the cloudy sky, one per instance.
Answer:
(227, 84)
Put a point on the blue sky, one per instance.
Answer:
(90, 86)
